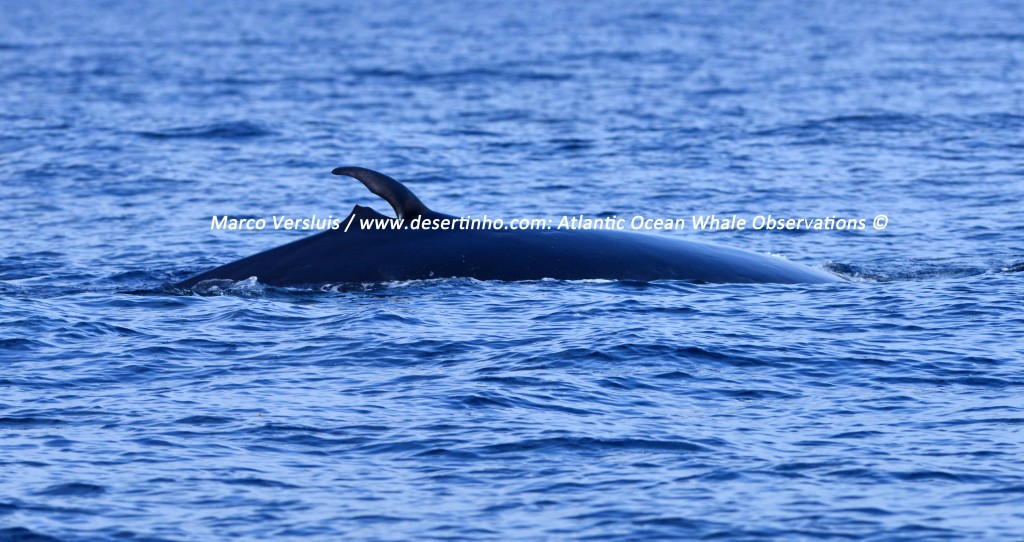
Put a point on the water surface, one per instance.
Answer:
(887, 408)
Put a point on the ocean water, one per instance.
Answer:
(890, 407)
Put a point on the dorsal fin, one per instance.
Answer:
(402, 200)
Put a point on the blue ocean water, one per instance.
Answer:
(886, 408)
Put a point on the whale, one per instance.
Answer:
(369, 247)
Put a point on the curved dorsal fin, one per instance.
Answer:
(402, 200)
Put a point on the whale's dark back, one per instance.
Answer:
(381, 254)
(387, 255)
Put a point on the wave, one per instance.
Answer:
(73, 489)
(220, 130)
